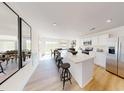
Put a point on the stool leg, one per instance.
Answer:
(70, 81)
(64, 81)
(70, 77)
(58, 65)
(63, 84)
(61, 75)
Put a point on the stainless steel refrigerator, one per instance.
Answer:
(115, 56)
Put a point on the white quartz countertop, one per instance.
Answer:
(79, 57)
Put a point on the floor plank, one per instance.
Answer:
(47, 78)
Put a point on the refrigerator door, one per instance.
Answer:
(121, 57)
(112, 55)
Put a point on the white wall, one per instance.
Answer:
(35, 47)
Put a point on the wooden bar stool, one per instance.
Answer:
(59, 62)
(65, 75)
(57, 56)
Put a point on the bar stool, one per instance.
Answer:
(55, 53)
(65, 75)
(58, 54)
(59, 62)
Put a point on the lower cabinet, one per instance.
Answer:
(100, 59)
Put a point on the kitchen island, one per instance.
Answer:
(81, 67)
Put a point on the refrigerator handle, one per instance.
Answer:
(119, 50)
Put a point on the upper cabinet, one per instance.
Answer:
(99, 40)
(102, 39)
(94, 41)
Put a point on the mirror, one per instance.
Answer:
(8, 42)
(26, 43)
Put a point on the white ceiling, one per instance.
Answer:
(73, 19)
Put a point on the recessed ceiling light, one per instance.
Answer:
(109, 20)
(54, 24)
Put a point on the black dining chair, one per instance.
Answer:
(2, 60)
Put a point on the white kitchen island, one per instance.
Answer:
(81, 67)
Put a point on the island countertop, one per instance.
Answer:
(79, 57)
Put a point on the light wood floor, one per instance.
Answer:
(47, 78)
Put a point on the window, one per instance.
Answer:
(50, 45)
(28, 44)
(7, 45)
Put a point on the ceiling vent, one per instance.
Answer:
(92, 29)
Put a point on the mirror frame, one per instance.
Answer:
(19, 19)
(22, 20)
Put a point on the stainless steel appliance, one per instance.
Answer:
(115, 56)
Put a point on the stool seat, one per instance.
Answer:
(65, 65)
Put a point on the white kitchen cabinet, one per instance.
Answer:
(102, 39)
(94, 41)
(99, 40)
(100, 59)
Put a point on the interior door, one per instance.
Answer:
(121, 57)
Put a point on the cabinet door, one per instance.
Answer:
(100, 59)
(94, 41)
(103, 39)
